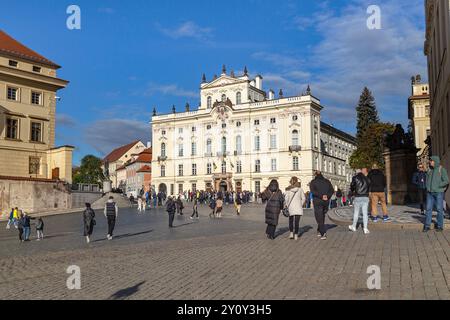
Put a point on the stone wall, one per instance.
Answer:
(33, 195)
(79, 199)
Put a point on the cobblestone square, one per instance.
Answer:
(221, 259)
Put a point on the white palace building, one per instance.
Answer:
(241, 138)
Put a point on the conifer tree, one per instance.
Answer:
(366, 112)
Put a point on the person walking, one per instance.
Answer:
(195, 209)
(378, 184)
(322, 190)
(111, 212)
(360, 187)
(339, 197)
(179, 205)
(219, 207)
(437, 183)
(40, 229)
(212, 205)
(238, 203)
(171, 209)
(26, 227)
(89, 222)
(294, 201)
(274, 204)
(20, 227)
(419, 179)
(10, 220)
(139, 199)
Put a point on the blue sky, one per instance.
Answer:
(131, 56)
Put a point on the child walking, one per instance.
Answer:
(40, 229)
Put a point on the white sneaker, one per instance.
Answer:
(366, 231)
(352, 228)
(107, 236)
(88, 240)
(291, 236)
(296, 237)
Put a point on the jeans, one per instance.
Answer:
(361, 203)
(171, 217)
(26, 233)
(422, 199)
(40, 234)
(111, 225)
(294, 224)
(435, 199)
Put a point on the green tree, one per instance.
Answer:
(371, 151)
(367, 114)
(90, 171)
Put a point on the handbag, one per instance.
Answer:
(286, 209)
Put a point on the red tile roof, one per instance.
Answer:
(119, 152)
(10, 46)
(145, 156)
(145, 169)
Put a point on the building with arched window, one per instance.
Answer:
(245, 137)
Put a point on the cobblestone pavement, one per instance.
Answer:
(406, 215)
(221, 259)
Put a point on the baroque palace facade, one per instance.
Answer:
(241, 137)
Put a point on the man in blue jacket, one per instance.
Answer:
(420, 181)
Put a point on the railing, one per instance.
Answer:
(208, 154)
(223, 154)
(295, 148)
(162, 158)
(237, 153)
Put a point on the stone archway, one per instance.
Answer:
(162, 188)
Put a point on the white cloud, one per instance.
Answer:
(65, 120)
(105, 135)
(188, 29)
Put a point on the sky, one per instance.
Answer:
(131, 56)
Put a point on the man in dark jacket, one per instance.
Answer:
(171, 208)
(419, 179)
(322, 190)
(360, 187)
(377, 187)
(111, 212)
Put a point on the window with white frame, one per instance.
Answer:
(209, 168)
(239, 144)
(257, 143)
(180, 130)
(163, 171)
(273, 164)
(194, 169)
(209, 146)
(209, 102)
(257, 186)
(239, 166)
(273, 141)
(193, 148)
(36, 98)
(12, 128)
(295, 163)
(163, 149)
(180, 170)
(180, 150)
(273, 120)
(295, 140)
(238, 98)
(224, 167)
(13, 94)
(36, 132)
(257, 166)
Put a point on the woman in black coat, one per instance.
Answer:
(275, 203)
(89, 222)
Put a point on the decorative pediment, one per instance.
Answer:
(223, 80)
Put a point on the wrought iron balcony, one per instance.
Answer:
(295, 148)
(162, 158)
(237, 153)
(208, 154)
(223, 154)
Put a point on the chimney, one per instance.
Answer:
(149, 145)
(271, 94)
(253, 83)
(258, 81)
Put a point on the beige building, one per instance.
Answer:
(28, 88)
(419, 112)
(437, 47)
(114, 162)
(241, 137)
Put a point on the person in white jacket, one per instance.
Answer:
(294, 201)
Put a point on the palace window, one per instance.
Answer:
(294, 118)
(209, 146)
(273, 141)
(257, 143)
(163, 149)
(257, 186)
(13, 63)
(194, 129)
(256, 122)
(238, 124)
(36, 132)
(239, 144)
(239, 166)
(34, 165)
(12, 128)
(36, 69)
(209, 102)
(163, 132)
(208, 127)
(273, 120)
(209, 168)
(224, 145)
(163, 171)
(238, 98)
(13, 94)
(180, 130)
(295, 141)
(194, 169)
(273, 165)
(36, 98)
(258, 166)
(180, 150)
(295, 163)
(194, 149)
(180, 188)
(224, 167)
(224, 125)
(180, 170)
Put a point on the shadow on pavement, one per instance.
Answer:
(126, 235)
(183, 225)
(125, 293)
(304, 230)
